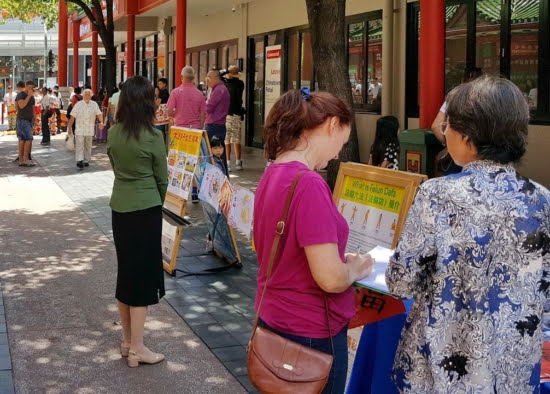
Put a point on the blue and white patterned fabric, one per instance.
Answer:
(475, 256)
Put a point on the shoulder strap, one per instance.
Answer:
(275, 246)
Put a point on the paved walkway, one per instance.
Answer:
(57, 270)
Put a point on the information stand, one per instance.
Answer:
(188, 150)
(375, 202)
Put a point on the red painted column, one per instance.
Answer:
(432, 59)
(131, 45)
(63, 37)
(181, 36)
(76, 39)
(94, 60)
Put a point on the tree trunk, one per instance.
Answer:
(327, 21)
(106, 31)
(110, 67)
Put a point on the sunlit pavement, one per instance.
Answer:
(57, 272)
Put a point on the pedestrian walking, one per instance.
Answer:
(85, 112)
(138, 156)
(311, 276)
(235, 116)
(25, 122)
(474, 255)
(186, 105)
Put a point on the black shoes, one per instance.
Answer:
(86, 164)
(80, 164)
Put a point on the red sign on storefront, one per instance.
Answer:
(274, 54)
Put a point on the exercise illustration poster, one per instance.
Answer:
(372, 212)
(241, 210)
(182, 160)
(211, 185)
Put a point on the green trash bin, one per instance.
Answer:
(419, 148)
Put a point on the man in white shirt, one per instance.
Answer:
(374, 88)
(86, 112)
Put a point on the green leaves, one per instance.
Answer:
(26, 10)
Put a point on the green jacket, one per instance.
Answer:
(141, 173)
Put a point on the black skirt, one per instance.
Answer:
(140, 277)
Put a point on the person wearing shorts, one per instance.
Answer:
(234, 119)
(24, 123)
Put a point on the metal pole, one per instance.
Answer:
(13, 71)
(45, 53)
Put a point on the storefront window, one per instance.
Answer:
(374, 71)
(258, 93)
(161, 61)
(203, 66)
(365, 61)
(455, 44)
(292, 61)
(212, 59)
(233, 54)
(356, 60)
(524, 60)
(488, 23)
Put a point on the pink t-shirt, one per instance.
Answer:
(189, 103)
(294, 302)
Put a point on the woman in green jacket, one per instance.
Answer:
(138, 156)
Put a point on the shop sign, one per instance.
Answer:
(85, 27)
(272, 77)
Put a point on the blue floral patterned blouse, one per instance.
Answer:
(475, 256)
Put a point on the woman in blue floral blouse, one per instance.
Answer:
(475, 256)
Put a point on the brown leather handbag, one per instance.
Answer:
(279, 365)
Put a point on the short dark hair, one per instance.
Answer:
(120, 85)
(20, 84)
(78, 90)
(216, 142)
(29, 83)
(136, 107)
(292, 114)
(163, 80)
(493, 114)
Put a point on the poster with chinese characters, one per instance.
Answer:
(211, 185)
(184, 147)
(372, 212)
(241, 210)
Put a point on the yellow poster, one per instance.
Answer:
(372, 212)
(183, 154)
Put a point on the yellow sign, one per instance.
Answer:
(374, 194)
(183, 156)
(186, 141)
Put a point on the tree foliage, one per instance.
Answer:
(26, 10)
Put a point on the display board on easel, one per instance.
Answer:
(188, 150)
(375, 202)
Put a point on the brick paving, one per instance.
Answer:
(219, 307)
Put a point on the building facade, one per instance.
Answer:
(388, 70)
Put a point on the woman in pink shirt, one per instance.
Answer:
(303, 132)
